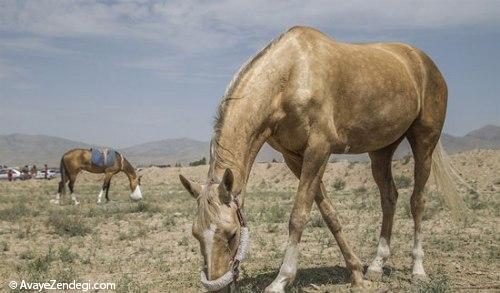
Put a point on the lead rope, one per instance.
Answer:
(237, 260)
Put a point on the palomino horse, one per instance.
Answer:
(309, 96)
(77, 160)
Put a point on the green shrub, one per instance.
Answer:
(169, 222)
(474, 202)
(202, 161)
(36, 268)
(317, 220)
(274, 214)
(272, 228)
(183, 242)
(360, 190)
(4, 246)
(439, 283)
(143, 207)
(339, 184)
(66, 255)
(15, 212)
(71, 225)
(402, 181)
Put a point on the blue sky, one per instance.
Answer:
(124, 72)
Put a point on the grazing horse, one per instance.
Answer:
(309, 96)
(77, 160)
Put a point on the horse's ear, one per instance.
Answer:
(226, 186)
(192, 187)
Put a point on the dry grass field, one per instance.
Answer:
(148, 246)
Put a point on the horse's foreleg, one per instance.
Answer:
(105, 187)
(330, 217)
(315, 159)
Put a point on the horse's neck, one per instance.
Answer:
(239, 140)
(127, 169)
(240, 164)
(250, 110)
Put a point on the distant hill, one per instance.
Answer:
(20, 149)
(181, 150)
(167, 151)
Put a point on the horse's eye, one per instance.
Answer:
(232, 236)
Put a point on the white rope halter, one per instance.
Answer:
(232, 274)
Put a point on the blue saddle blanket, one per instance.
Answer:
(103, 157)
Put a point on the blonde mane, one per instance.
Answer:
(223, 105)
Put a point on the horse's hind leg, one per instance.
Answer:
(381, 170)
(60, 191)
(423, 141)
(71, 185)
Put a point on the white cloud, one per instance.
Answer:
(30, 44)
(181, 70)
(186, 28)
(190, 24)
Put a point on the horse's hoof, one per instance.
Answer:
(373, 275)
(273, 290)
(360, 287)
(357, 285)
(419, 278)
(54, 201)
(76, 203)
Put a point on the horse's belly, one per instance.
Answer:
(372, 127)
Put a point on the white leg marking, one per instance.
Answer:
(383, 253)
(56, 200)
(287, 271)
(73, 197)
(418, 256)
(99, 197)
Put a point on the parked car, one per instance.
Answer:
(50, 174)
(16, 174)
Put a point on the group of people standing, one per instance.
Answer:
(28, 173)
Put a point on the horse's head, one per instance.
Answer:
(135, 186)
(220, 228)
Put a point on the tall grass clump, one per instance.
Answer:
(339, 184)
(16, 212)
(68, 225)
(402, 181)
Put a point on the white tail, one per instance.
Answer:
(446, 178)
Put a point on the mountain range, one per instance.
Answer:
(22, 149)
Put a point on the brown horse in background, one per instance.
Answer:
(77, 160)
(310, 96)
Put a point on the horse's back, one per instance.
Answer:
(368, 94)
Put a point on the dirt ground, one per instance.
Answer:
(148, 246)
